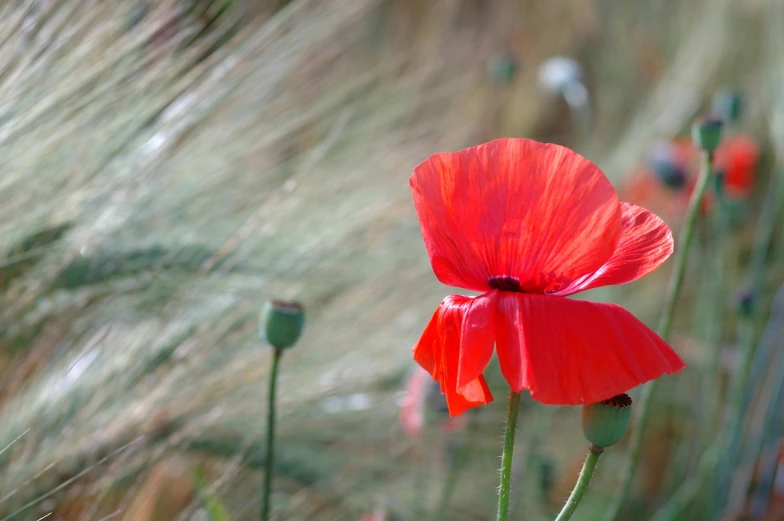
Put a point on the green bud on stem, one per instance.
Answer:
(282, 323)
(706, 133)
(605, 423)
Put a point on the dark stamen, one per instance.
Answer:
(504, 283)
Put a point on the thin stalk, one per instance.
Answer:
(665, 324)
(506, 457)
(689, 488)
(733, 431)
(768, 421)
(456, 468)
(538, 425)
(423, 444)
(582, 483)
(269, 460)
(753, 364)
(705, 322)
(712, 374)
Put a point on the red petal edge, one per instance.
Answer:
(645, 243)
(438, 351)
(570, 352)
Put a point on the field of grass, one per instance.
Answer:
(170, 165)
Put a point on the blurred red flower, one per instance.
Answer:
(527, 224)
(412, 410)
(418, 396)
(738, 157)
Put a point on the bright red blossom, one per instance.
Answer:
(738, 158)
(528, 224)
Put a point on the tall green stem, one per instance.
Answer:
(582, 484)
(733, 431)
(506, 457)
(665, 324)
(269, 462)
(456, 468)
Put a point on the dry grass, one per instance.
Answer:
(186, 174)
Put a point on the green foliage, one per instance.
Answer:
(215, 509)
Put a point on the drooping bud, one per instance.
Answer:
(282, 323)
(502, 67)
(564, 76)
(746, 302)
(605, 423)
(706, 132)
(728, 104)
(663, 160)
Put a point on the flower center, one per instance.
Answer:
(504, 283)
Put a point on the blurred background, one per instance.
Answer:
(170, 165)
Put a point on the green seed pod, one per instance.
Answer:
(282, 323)
(605, 423)
(706, 133)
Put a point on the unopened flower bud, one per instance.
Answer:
(502, 68)
(728, 104)
(746, 302)
(558, 72)
(706, 132)
(605, 423)
(282, 323)
(664, 163)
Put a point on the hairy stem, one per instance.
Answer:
(582, 484)
(506, 457)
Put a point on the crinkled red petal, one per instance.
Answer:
(536, 212)
(569, 352)
(438, 352)
(645, 243)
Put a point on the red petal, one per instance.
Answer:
(517, 208)
(572, 351)
(645, 243)
(439, 351)
(477, 338)
(738, 157)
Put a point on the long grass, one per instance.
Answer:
(167, 168)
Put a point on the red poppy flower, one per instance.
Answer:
(419, 390)
(527, 224)
(412, 413)
(738, 158)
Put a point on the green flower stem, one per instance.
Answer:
(665, 324)
(582, 484)
(269, 460)
(733, 431)
(688, 489)
(506, 457)
(456, 468)
(712, 374)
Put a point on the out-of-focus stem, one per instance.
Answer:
(269, 463)
(665, 324)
